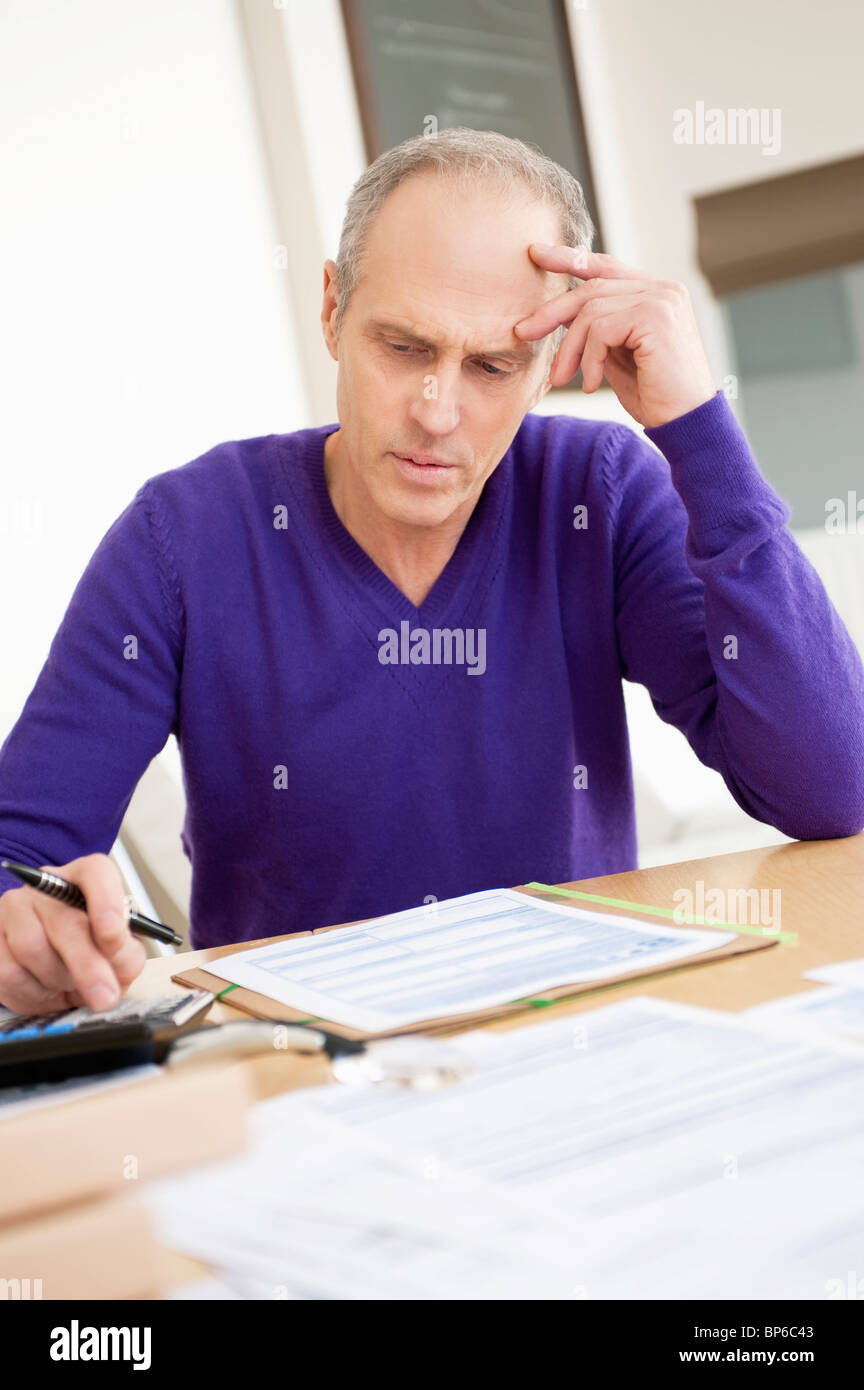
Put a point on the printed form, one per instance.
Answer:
(638, 1150)
(833, 1010)
(454, 957)
(323, 1213)
(689, 1153)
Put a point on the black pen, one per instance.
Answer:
(70, 893)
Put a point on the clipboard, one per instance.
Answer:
(262, 1006)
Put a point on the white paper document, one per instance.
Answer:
(831, 1009)
(454, 957)
(687, 1153)
(849, 973)
(318, 1211)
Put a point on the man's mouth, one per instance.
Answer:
(422, 468)
(424, 460)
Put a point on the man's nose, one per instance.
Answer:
(436, 405)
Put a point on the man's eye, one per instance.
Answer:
(487, 368)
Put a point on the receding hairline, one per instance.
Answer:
(515, 168)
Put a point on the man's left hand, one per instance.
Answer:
(636, 330)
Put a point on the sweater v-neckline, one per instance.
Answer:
(468, 566)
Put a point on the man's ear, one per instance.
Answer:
(328, 310)
(541, 392)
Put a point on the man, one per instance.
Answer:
(392, 650)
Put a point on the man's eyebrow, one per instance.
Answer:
(524, 352)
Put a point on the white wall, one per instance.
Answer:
(144, 318)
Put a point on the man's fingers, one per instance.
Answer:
(100, 881)
(20, 991)
(610, 331)
(565, 307)
(96, 947)
(92, 975)
(572, 260)
(570, 355)
(35, 954)
(130, 960)
(55, 956)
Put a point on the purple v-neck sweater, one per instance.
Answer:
(229, 604)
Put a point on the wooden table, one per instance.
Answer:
(821, 885)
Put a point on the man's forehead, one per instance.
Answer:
(459, 252)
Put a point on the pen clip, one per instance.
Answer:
(245, 1036)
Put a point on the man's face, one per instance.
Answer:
(428, 362)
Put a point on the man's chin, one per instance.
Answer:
(406, 508)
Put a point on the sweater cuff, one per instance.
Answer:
(713, 468)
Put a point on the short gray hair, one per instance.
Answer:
(459, 152)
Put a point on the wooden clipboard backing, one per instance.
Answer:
(261, 1006)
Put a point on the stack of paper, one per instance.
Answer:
(315, 1211)
(638, 1150)
(696, 1156)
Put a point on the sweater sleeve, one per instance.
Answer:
(104, 702)
(727, 624)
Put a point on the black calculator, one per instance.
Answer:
(79, 1042)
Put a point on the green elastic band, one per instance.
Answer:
(228, 989)
(788, 938)
(602, 988)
